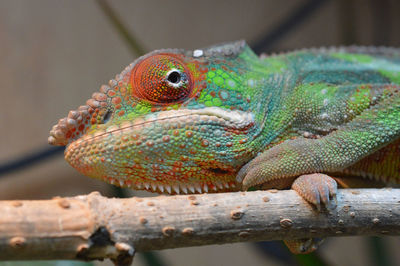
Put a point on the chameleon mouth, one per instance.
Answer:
(176, 188)
(89, 153)
(59, 135)
(238, 120)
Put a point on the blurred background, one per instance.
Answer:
(55, 54)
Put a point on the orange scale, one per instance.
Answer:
(205, 143)
(204, 70)
(116, 100)
(189, 134)
(176, 169)
(178, 164)
(171, 173)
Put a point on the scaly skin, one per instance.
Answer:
(224, 119)
(307, 111)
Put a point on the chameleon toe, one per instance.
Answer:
(303, 246)
(317, 189)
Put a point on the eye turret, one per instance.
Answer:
(161, 79)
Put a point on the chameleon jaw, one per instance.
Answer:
(124, 154)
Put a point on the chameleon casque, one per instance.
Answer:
(223, 119)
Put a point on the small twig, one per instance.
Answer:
(95, 227)
(116, 21)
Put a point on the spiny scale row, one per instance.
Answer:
(173, 189)
(372, 50)
(75, 121)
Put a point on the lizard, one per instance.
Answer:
(224, 119)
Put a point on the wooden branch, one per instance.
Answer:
(94, 227)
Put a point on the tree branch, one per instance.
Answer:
(94, 227)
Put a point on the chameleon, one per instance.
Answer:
(223, 119)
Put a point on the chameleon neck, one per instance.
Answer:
(271, 86)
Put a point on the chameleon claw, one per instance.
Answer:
(242, 172)
(303, 246)
(317, 189)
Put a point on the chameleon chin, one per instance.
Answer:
(224, 119)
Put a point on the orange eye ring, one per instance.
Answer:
(161, 79)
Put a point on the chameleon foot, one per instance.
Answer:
(303, 246)
(318, 189)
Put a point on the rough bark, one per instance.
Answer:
(95, 227)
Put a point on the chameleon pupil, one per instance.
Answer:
(174, 77)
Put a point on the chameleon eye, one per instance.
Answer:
(161, 79)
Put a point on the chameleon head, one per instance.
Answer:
(173, 121)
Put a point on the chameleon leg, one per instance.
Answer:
(318, 189)
(373, 129)
(303, 246)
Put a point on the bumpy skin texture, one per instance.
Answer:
(224, 119)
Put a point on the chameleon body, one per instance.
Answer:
(224, 119)
(308, 111)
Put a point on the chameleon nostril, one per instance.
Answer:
(107, 117)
